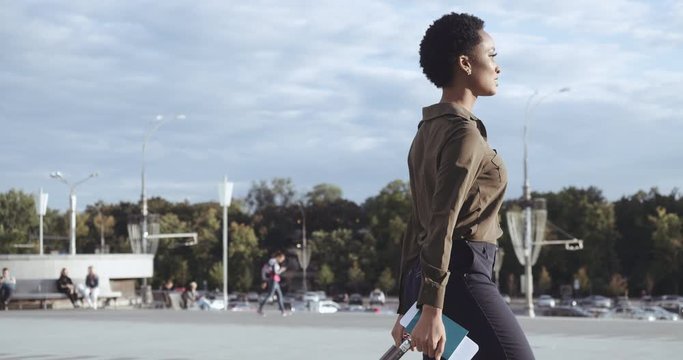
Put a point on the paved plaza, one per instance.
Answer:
(167, 334)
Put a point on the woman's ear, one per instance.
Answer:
(464, 64)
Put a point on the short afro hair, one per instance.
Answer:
(446, 39)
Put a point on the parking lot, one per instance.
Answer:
(168, 334)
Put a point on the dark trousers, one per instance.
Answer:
(473, 301)
(5, 293)
(71, 294)
(273, 288)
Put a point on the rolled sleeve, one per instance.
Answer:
(460, 159)
(407, 248)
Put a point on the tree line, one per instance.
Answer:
(631, 245)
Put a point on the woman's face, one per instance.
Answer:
(483, 80)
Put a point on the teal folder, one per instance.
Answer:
(455, 334)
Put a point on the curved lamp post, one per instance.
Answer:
(160, 121)
(304, 251)
(72, 200)
(530, 106)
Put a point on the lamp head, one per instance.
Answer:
(56, 175)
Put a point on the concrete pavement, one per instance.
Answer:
(167, 334)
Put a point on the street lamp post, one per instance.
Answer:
(225, 196)
(303, 243)
(160, 121)
(530, 105)
(41, 206)
(72, 201)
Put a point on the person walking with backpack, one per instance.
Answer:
(270, 274)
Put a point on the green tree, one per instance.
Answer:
(280, 192)
(386, 280)
(323, 194)
(584, 280)
(216, 275)
(635, 246)
(206, 221)
(668, 250)
(388, 214)
(325, 276)
(104, 224)
(342, 249)
(356, 276)
(123, 213)
(169, 262)
(545, 281)
(55, 225)
(586, 214)
(85, 241)
(243, 255)
(18, 218)
(618, 285)
(338, 214)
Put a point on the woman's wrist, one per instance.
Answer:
(431, 311)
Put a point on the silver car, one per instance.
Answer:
(629, 312)
(596, 301)
(660, 313)
(546, 301)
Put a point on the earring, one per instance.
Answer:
(469, 71)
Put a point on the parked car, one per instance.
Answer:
(328, 307)
(241, 306)
(629, 312)
(668, 298)
(311, 296)
(569, 311)
(596, 301)
(597, 311)
(622, 301)
(356, 299)
(672, 306)
(252, 296)
(341, 298)
(569, 302)
(354, 308)
(377, 297)
(545, 301)
(660, 313)
(321, 294)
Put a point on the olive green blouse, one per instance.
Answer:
(457, 185)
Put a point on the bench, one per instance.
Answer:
(45, 292)
(166, 299)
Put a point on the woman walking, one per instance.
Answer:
(457, 185)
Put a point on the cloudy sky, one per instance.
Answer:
(325, 91)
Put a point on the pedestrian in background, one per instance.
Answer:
(270, 275)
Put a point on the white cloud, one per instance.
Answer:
(324, 91)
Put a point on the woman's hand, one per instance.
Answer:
(398, 332)
(429, 334)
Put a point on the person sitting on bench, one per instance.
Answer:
(92, 287)
(7, 285)
(66, 286)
